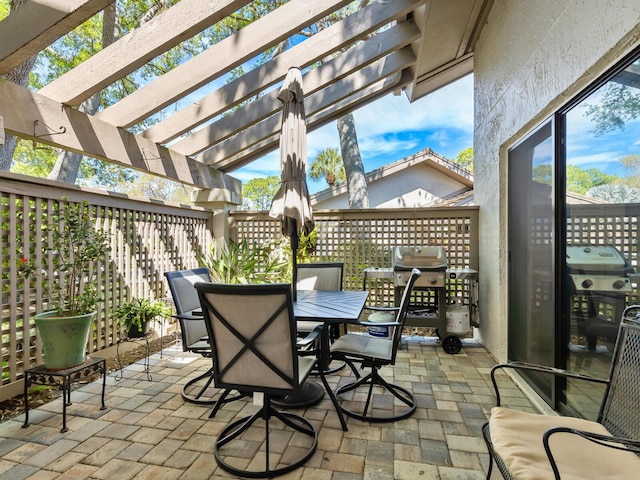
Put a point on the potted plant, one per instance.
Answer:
(134, 316)
(76, 245)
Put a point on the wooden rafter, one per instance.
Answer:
(38, 24)
(314, 103)
(361, 98)
(315, 80)
(158, 35)
(33, 116)
(217, 60)
(318, 47)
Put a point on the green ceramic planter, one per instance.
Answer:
(64, 339)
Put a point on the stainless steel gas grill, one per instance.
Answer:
(431, 305)
(599, 280)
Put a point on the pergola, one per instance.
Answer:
(415, 46)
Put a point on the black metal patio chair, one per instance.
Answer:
(375, 353)
(320, 276)
(527, 446)
(195, 337)
(253, 333)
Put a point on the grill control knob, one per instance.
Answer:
(618, 284)
(587, 283)
(433, 280)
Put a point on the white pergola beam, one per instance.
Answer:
(30, 115)
(176, 24)
(218, 60)
(319, 46)
(38, 24)
(339, 67)
(331, 114)
(314, 103)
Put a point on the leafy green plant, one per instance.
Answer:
(76, 246)
(138, 312)
(240, 263)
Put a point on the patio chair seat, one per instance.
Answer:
(195, 337)
(517, 439)
(319, 276)
(361, 345)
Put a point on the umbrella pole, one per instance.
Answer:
(294, 262)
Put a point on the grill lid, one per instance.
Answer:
(431, 257)
(601, 258)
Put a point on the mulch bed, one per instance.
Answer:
(39, 395)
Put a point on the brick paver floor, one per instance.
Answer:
(149, 432)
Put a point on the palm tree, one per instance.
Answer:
(328, 165)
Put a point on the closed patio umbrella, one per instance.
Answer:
(291, 202)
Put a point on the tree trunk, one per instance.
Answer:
(356, 182)
(20, 76)
(68, 163)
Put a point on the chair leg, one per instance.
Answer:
(197, 398)
(371, 380)
(487, 440)
(237, 428)
(334, 400)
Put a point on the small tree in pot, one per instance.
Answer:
(76, 248)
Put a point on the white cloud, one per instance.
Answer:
(448, 107)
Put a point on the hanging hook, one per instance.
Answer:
(61, 130)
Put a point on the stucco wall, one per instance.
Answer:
(531, 58)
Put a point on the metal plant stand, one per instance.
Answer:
(63, 379)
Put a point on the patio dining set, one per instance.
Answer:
(271, 356)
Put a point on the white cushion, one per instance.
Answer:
(517, 438)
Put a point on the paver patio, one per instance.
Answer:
(149, 432)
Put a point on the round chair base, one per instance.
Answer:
(194, 390)
(309, 394)
(235, 429)
(370, 381)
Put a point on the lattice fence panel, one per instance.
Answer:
(364, 239)
(146, 240)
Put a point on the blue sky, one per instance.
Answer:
(391, 129)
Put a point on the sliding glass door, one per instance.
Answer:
(574, 210)
(531, 252)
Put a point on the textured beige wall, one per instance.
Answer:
(532, 57)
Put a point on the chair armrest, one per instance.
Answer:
(625, 444)
(310, 338)
(183, 316)
(558, 372)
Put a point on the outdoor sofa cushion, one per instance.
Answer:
(517, 438)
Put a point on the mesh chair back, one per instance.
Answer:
(403, 309)
(185, 298)
(319, 276)
(619, 411)
(252, 330)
